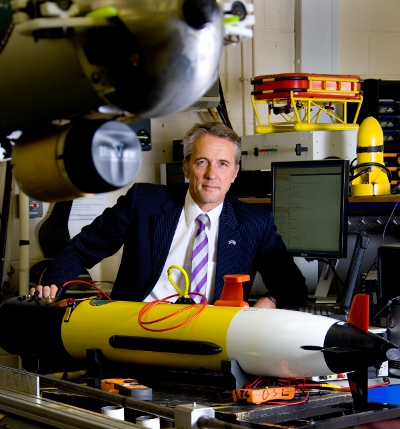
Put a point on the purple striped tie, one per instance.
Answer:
(200, 255)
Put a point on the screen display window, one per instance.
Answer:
(309, 203)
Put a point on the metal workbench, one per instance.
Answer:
(71, 404)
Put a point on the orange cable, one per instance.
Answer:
(152, 304)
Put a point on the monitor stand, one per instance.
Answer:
(324, 284)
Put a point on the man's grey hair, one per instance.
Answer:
(217, 129)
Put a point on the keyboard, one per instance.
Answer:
(328, 310)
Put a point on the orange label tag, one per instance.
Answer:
(258, 396)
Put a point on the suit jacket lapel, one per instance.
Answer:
(228, 251)
(164, 230)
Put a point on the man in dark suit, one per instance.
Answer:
(156, 225)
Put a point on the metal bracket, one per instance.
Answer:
(187, 415)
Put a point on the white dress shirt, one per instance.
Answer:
(180, 252)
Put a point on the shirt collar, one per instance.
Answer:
(192, 210)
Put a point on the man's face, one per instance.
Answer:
(210, 171)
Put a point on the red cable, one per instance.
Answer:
(152, 304)
(89, 284)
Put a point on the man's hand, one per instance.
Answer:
(265, 302)
(45, 291)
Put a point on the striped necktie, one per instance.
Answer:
(200, 256)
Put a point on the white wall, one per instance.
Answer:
(369, 45)
(369, 42)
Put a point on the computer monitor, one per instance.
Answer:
(309, 201)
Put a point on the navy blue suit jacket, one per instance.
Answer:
(144, 222)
